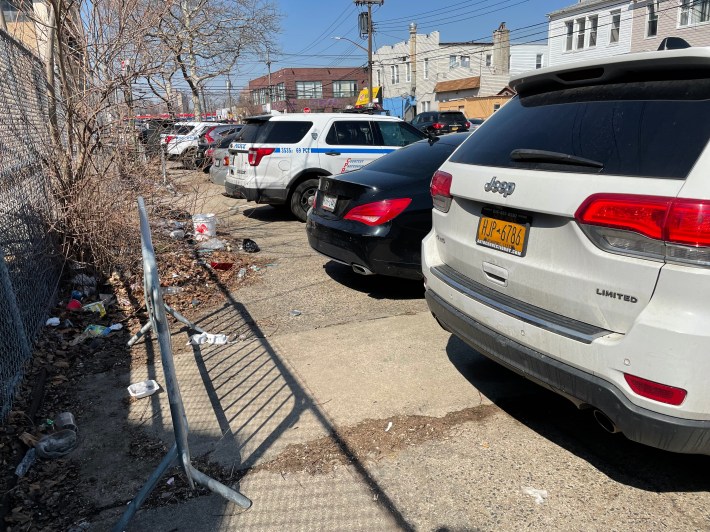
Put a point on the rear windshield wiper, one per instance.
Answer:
(545, 156)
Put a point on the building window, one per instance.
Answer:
(426, 69)
(466, 61)
(581, 26)
(538, 61)
(426, 106)
(452, 62)
(615, 26)
(569, 35)
(11, 11)
(593, 24)
(280, 92)
(489, 60)
(395, 74)
(344, 89)
(408, 71)
(694, 12)
(309, 89)
(651, 19)
(496, 106)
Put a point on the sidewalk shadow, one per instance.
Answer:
(261, 407)
(558, 420)
(376, 286)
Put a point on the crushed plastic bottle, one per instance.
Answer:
(27, 462)
(172, 290)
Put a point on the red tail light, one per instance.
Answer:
(208, 137)
(663, 228)
(437, 125)
(440, 189)
(655, 390)
(378, 212)
(467, 125)
(226, 161)
(255, 155)
(209, 152)
(169, 138)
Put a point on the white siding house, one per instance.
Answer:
(524, 57)
(590, 29)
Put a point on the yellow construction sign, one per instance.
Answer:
(364, 97)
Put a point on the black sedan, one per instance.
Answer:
(374, 219)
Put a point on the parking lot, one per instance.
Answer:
(358, 412)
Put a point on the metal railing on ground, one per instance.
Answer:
(157, 312)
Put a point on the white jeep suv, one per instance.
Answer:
(571, 241)
(278, 159)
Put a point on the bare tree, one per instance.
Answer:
(206, 38)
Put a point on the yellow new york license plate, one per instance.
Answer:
(504, 232)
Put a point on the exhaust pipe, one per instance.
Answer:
(361, 270)
(605, 422)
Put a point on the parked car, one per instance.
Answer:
(208, 141)
(220, 159)
(475, 123)
(374, 219)
(441, 122)
(181, 143)
(571, 241)
(150, 133)
(279, 158)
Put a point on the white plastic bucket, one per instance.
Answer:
(205, 226)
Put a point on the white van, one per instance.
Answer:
(277, 159)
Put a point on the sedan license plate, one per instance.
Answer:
(454, 128)
(504, 231)
(329, 202)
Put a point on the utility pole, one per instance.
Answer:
(229, 97)
(369, 4)
(268, 88)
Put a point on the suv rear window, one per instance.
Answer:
(648, 129)
(452, 118)
(275, 132)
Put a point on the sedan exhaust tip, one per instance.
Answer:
(357, 268)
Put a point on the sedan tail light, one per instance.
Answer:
(208, 137)
(440, 189)
(169, 138)
(256, 154)
(467, 125)
(437, 125)
(655, 227)
(378, 212)
(662, 393)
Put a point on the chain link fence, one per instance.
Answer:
(30, 264)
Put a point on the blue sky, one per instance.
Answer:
(308, 28)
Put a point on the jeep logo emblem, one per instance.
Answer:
(502, 187)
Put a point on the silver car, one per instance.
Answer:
(220, 160)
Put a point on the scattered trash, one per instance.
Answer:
(94, 331)
(224, 266)
(205, 226)
(74, 304)
(213, 244)
(254, 268)
(77, 294)
(250, 246)
(27, 462)
(66, 420)
(294, 313)
(172, 290)
(97, 307)
(195, 302)
(177, 234)
(57, 444)
(170, 481)
(389, 426)
(538, 495)
(116, 326)
(53, 322)
(241, 273)
(106, 299)
(271, 265)
(207, 338)
(143, 388)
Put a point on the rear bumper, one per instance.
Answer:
(268, 196)
(638, 424)
(372, 247)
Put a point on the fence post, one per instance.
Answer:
(157, 311)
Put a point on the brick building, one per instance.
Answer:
(321, 89)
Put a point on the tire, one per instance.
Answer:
(301, 196)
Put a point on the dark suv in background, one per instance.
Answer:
(441, 122)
